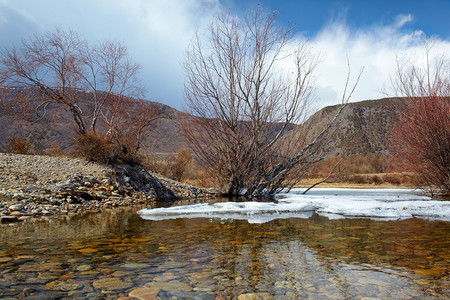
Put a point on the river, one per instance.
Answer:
(317, 251)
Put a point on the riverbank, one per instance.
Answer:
(34, 186)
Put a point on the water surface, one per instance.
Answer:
(117, 253)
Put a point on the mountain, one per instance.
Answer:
(59, 128)
(362, 126)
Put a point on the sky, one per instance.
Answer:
(370, 33)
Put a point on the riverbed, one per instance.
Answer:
(276, 254)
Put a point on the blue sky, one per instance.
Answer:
(430, 16)
(370, 33)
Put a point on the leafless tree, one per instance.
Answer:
(421, 137)
(248, 85)
(58, 67)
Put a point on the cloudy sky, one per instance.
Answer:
(370, 33)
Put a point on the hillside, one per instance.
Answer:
(362, 127)
(58, 127)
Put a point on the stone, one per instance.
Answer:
(18, 213)
(15, 207)
(8, 219)
(171, 286)
(31, 188)
(66, 185)
(5, 259)
(111, 284)
(134, 266)
(255, 296)
(144, 293)
(122, 273)
(82, 268)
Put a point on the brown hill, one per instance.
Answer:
(362, 127)
(59, 128)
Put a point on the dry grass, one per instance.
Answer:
(371, 180)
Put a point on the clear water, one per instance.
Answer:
(118, 254)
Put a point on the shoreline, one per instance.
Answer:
(37, 186)
(34, 186)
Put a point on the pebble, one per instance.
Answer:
(16, 207)
(144, 293)
(255, 296)
(111, 284)
(8, 219)
(39, 186)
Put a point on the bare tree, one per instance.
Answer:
(421, 137)
(58, 67)
(247, 86)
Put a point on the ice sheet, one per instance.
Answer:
(384, 204)
(388, 204)
(254, 212)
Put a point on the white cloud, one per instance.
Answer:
(375, 49)
(157, 33)
(401, 20)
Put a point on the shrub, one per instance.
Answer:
(94, 147)
(375, 179)
(54, 150)
(18, 145)
(357, 179)
(178, 167)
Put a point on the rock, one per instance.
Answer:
(59, 181)
(66, 287)
(67, 185)
(4, 259)
(255, 296)
(55, 202)
(171, 286)
(134, 266)
(82, 268)
(8, 219)
(19, 213)
(44, 295)
(144, 293)
(15, 207)
(31, 188)
(111, 284)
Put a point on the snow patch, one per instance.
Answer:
(384, 204)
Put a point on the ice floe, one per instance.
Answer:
(384, 204)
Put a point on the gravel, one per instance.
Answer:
(33, 186)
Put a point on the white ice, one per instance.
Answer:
(384, 204)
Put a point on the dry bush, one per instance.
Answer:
(93, 147)
(100, 148)
(124, 150)
(365, 179)
(178, 167)
(354, 164)
(156, 164)
(206, 179)
(54, 150)
(18, 145)
(392, 179)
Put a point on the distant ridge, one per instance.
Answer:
(362, 127)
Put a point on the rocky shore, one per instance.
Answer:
(33, 186)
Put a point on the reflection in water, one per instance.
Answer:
(116, 253)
